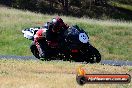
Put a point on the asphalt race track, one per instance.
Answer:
(103, 62)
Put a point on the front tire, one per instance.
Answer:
(95, 56)
(90, 54)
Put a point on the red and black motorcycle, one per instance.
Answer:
(73, 45)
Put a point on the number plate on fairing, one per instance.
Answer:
(83, 38)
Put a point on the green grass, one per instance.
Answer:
(112, 38)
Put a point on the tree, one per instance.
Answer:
(101, 2)
(6, 2)
(65, 5)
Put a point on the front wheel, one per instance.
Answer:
(94, 55)
(95, 58)
(91, 54)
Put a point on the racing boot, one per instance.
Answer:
(41, 53)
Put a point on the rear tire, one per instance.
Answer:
(34, 50)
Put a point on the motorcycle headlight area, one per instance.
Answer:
(83, 38)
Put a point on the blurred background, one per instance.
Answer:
(99, 9)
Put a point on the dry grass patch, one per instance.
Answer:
(53, 74)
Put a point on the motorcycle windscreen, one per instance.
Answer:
(76, 35)
(72, 35)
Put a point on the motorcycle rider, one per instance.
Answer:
(50, 34)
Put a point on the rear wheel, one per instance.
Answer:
(34, 50)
